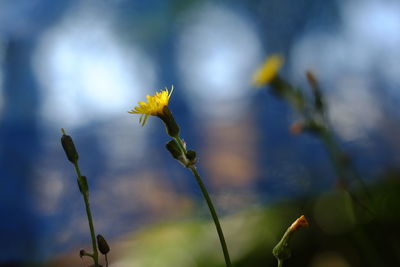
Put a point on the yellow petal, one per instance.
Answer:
(154, 106)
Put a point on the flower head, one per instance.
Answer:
(267, 72)
(155, 105)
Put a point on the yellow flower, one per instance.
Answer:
(154, 106)
(267, 72)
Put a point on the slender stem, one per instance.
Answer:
(89, 215)
(78, 171)
(90, 219)
(213, 214)
(106, 260)
(280, 263)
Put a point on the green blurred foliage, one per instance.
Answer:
(340, 234)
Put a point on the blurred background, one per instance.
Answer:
(82, 65)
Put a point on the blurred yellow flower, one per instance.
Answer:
(267, 72)
(154, 106)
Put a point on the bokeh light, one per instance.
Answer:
(213, 67)
(86, 74)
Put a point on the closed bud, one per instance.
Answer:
(173, 148)
(83, 185)
(69, 147)
(103, 246)
(282, 251)
(191, 155)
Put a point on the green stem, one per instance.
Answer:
(90, 220)
(89, 215)
(280, 263)
(213, 214)
(203, 189)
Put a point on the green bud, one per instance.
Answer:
(169, 121)
(103, 246)
(173, 148)
(282, 251)
(191, 155)
(83, 185)
(69, 148)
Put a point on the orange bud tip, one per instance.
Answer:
(296, 128)
(300, 222)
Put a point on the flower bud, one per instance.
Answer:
(282, 251)
(103, 246)
(191, 155)
(83, 185)
(173, 148)
(69, 147)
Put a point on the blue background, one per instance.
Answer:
(82, 65)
